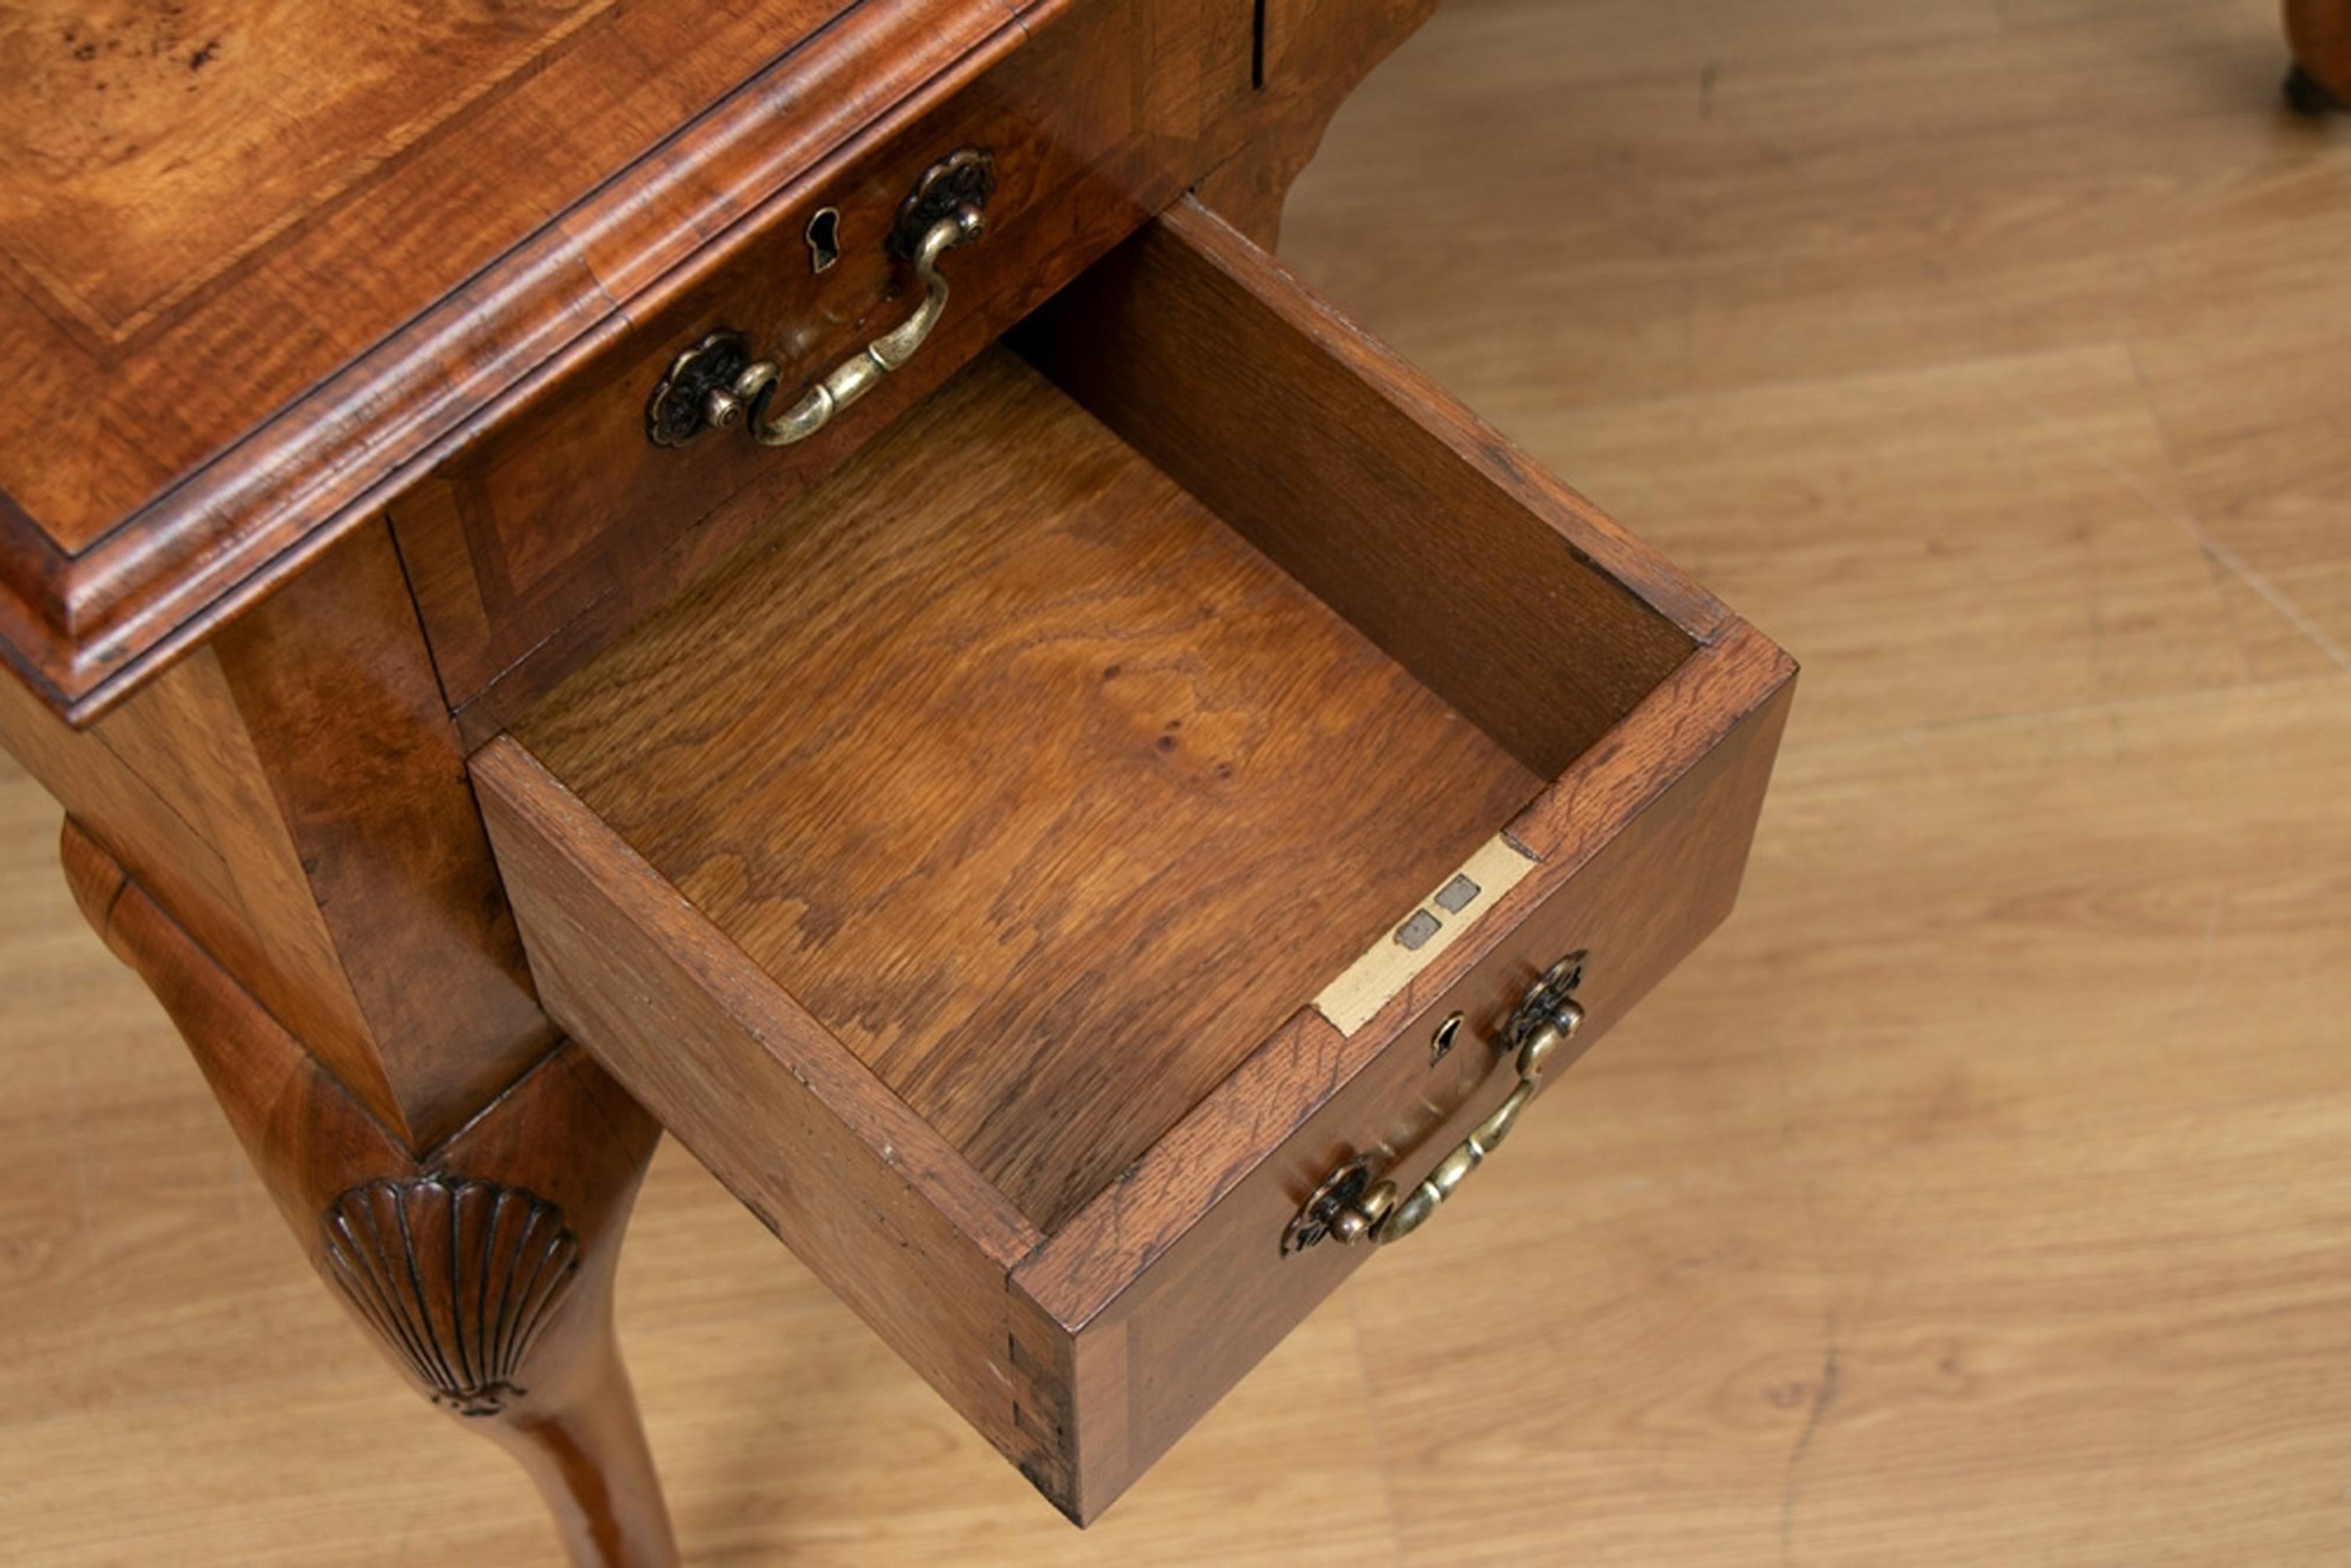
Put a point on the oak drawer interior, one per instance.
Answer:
(1121, 710)
(1036, 783)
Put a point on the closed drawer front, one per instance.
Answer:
(565, 523)
(1039, 859)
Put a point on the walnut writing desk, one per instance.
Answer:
(793, 574)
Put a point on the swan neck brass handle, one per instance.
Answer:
(1393, 1219)
(861, 373)
(719, 382)
(1351, 1208)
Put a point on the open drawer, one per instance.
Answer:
(1141, 786)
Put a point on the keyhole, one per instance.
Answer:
(824, 238)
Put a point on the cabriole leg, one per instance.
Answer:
(482, 1267)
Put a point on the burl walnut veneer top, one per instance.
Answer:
(261, 263)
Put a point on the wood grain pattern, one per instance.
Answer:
(1737, 690)
(547, 538)
(156, 485)
(1093, 798)
(331, 682)
(871, 1196)
(144, 161)
(1169, 1281)
(217, 444)
(565, 1137)
(165, 484)
(165, 787)
(1513, 597)
(295, 792)
(1096, 798)
(2021, 1059)
(1168, 1287)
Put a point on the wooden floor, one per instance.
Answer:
(1981, 1194)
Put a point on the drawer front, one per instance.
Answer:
(543, 540)
(1084, 1342)
(1176, 1284)
(1202, 352)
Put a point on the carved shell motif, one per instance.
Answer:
(459, 1277)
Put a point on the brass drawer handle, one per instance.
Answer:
(716, 383)
(1351, 1208)
(861, 373)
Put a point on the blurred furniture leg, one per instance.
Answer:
(482, 1267)
(2319, 33)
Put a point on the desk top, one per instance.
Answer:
(262, 263)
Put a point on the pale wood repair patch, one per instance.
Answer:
(1435, 924)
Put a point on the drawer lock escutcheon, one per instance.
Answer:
(1352, 1207)
(716, 383)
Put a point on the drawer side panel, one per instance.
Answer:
(865, 1192)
